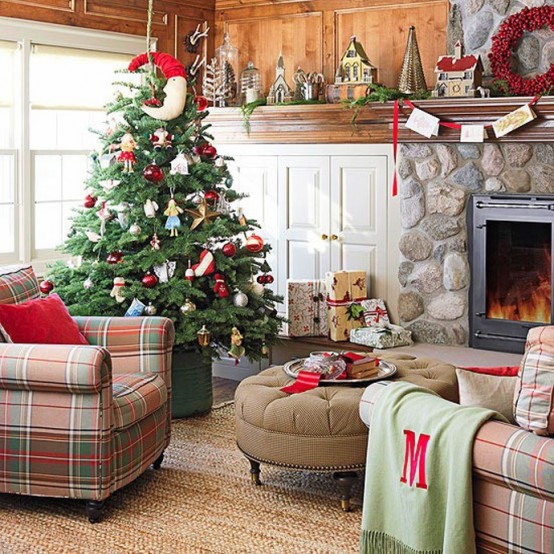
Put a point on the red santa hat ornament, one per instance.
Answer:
(175, 89)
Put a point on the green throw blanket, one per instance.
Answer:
(418, 491)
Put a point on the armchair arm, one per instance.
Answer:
(515, 458)
(135, 343)
(54, 368)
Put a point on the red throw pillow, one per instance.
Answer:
(500, 371)
(39, 321)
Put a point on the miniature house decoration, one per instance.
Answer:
(458, 75)
(279, 92)
(355, 67)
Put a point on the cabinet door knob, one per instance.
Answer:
(324, 236)
(334, 237)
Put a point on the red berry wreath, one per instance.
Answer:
(503, 43)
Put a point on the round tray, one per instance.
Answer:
(386, 370)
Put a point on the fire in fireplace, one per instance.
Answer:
(511, 239)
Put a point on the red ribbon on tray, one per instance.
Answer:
(305, 380)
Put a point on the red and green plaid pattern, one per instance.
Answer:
(18, 286)
(136, 396)
(60, 413)
(534, 396)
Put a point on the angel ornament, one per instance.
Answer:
(172, 212)
(237, 350)
(150, 208)
(127, 154)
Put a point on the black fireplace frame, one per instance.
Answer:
(498, 334)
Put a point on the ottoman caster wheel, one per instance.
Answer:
(93, 510)
(345, 480)
(255, 472)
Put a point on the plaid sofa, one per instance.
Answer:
(83, 421)
(513, 485)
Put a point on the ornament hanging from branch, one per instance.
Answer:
(173, 222)
(127, 154)
(118, 284)
(175, 89)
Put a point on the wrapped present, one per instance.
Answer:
(375, 313)
(307, 309)
(384, 337)
(345, 291)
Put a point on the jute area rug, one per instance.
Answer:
(201, 501)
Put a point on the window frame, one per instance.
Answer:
(25, 34)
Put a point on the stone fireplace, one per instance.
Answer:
(437, 183)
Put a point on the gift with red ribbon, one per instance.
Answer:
(375, 313)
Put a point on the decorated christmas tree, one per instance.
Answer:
(158, 233)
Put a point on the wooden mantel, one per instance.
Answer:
(331, 123)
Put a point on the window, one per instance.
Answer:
(53, 90)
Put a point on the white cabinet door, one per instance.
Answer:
(304, 217)
(359, 217)
(256, 176)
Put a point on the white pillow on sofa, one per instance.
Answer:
(487, 391)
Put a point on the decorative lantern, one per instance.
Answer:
(228, 57)
(204, 337)
(251, 86)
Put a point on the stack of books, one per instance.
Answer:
(359, 366)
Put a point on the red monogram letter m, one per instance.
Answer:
(415, 456)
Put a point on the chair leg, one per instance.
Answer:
(93, 509)
(345, 481)
(255, 472)
(158, 461)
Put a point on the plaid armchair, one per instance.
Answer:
(83, 421)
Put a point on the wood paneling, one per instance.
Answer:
(331, 123)
(259, 28)
(298, 37)
(172, 20)
(384, 33)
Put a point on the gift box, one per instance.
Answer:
(384, 337)
(307, 309)
(375, 313)
(345, 291)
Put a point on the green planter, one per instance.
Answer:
(191, 383)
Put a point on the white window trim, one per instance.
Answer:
(25, 33)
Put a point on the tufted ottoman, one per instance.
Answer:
(320, 429)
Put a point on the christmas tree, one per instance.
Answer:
(158, 233)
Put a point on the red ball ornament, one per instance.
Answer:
(198, 150)
(149, 280)
(254, 243)
(210, 151)
(46, 286)
(229, 249)
(269, 279)
(90, 201)
(211, 196)
(201, 103)
(260, 279)
(115, 257)
(153, 173)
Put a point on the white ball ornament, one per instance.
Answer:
(240, 300)
(257, 289)
(135, 230)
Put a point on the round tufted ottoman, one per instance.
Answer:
(320, 429)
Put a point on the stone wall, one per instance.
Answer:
(436, 181)
(475, 22)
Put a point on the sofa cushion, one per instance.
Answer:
(136, 395)
(487, 391)
(18, 286)
(39, 321)
(534, 393)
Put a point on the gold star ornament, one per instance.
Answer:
(201, 215)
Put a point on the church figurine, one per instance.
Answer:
(458, 75)
(355, 67)
(280, 92)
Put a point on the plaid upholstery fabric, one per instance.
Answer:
(18, 286)
(515, 458)
(534, 396)
(58, 428)
(135, 396)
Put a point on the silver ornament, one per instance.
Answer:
(187, 307)
(240, 300)
(150, 309)
(197, 199)
(87, 283)
(135, 229)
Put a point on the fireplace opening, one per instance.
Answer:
(510, 254)
(519, 271)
